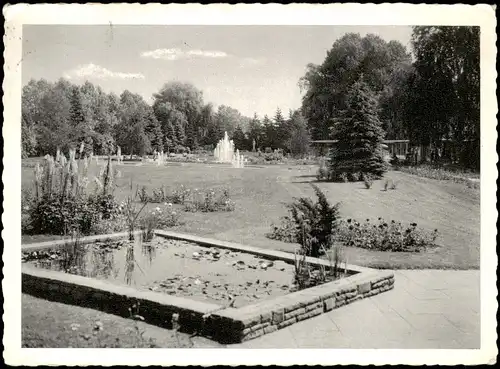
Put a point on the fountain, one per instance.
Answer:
(119, 157)
(238, 160)
(160, 158)
(224, 153)
(224, 150)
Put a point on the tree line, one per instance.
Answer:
(429, 99)
(63, 115)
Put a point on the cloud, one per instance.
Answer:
(251, 62)
(176, 54)
(95, 71)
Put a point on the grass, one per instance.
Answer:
(260, 195)
(47, 324)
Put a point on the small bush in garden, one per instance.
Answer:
(367, 180)
(143, 195)
(159, 195)
(343, 177)
(286, 231)
(209, 201)
(386, 185)
(61, 204)
(160, 217)
(385, 236)
(323, 172)
(354, 177)
(315, 222)
(180, 195)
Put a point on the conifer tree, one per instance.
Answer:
(360, 135)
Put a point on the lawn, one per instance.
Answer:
(261, 193)
(47, 324)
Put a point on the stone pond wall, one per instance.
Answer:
(226, 325)
(237, 325)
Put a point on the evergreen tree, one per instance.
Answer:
(239, 139)
(359, 134)
(76, 111)
(281, 130)
(169, 137)
(298, 138)
(269, 132)
(191, 136)
(254, 132)
(153, 131)
(180, 134)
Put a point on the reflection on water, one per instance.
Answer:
(119, 260)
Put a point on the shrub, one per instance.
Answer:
(395, 161)
(209, 200)
(315, 224)
(323, 171)
(159, 195)
(142, 193)
(286, 231)
(354, 177)
(384, 236)
(275, 156)
(180, 195)
(386, 185)
(343, 177)
(368, 181)
(160, 217)
(443, 174)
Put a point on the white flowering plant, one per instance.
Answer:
(160, 217)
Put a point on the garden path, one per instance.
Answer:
(427, 309)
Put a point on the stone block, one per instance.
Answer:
(255, 328)
(329, 304)
(314, 306)
(252, 335)
(270, 329)
(266, 317)
(292, 305)
(278, 316)
(379, 284)
(294, 313)
(350, 295)
(286, 323)
(310, 314)
(364, 287)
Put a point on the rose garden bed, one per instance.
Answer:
(226, 291)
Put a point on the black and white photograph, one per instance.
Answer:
(212, 180)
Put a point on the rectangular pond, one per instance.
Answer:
(223, 290)
(175, 267)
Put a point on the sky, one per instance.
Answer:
(250, 68)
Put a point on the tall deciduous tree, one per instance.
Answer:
(360, 136)
(186, 99)
(351, 57)
(444, 90)
(131, 132)
(239, 139)
(255, 133)
(299, 139)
